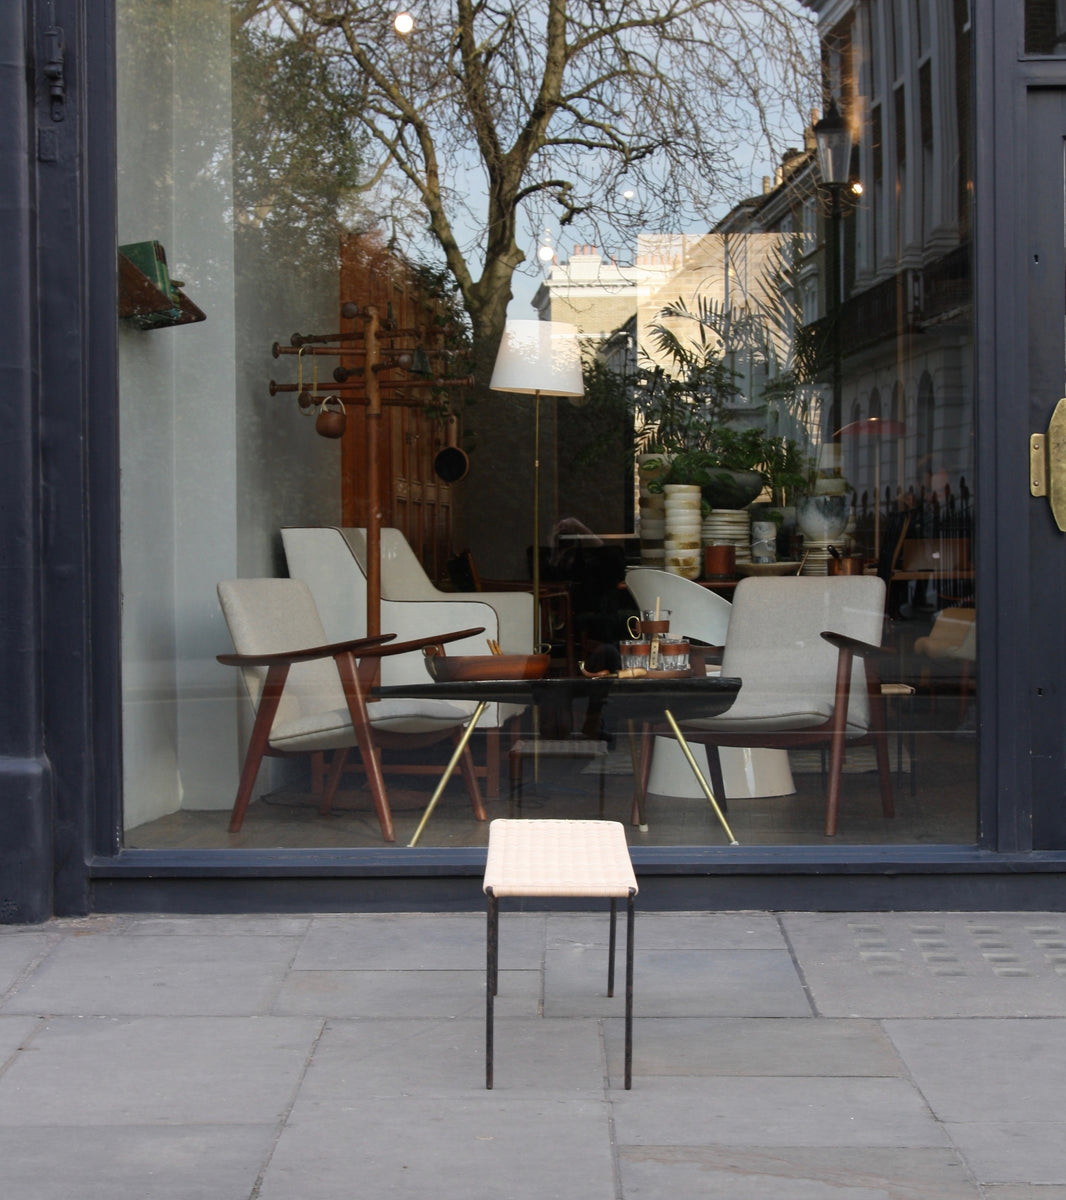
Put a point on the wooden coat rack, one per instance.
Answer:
(369, 382)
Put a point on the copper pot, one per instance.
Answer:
(851, 564)
(332, 418)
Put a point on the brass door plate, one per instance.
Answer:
(1047, 464)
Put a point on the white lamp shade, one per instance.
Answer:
(539, 356)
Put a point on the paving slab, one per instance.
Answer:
(157, 1070)
(18, 952)
(673, 931)
(769, 1111)
(736, 1046)
(986, 1070)
(798, 1173)
(997, 1085)
(115, 974)
(424, 942)
(133, 1163)
(1024, 1191)
(241, 924)
(480, 1142)
(16, 1032)
(1012, 1150)
(675, 983)
(932, 965)
(406, 993)
(392, 1058)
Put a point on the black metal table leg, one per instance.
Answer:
(492, 942)
(630, 913)
(611, 941)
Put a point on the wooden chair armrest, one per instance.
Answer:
(862, 649)
(420, 643)
(361, 647)
(357, 646)
(871, 658)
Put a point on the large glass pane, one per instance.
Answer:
(354, 209)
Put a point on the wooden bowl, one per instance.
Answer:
(471, 667)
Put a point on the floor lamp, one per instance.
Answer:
(538, 358)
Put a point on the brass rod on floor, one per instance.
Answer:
(452, 764)
(699, 775)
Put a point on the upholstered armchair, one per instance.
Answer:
(310, 695)
(806, 650)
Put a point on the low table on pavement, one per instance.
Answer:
(558, 858)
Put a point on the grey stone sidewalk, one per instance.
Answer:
(797, 1056)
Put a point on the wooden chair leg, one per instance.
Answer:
(836, 771)
(514, 758)
(364, 736)
(318, 772)
(466, 766)
(515, 771)
(836, 745)
(642, 774)
(884, 770)
(333, 781)
(714, 766)
(492, 763)
(258, 743)
(880, 737)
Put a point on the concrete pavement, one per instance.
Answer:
(845, 1056)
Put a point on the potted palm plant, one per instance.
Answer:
(682, 432)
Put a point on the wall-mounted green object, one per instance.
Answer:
(148, 297)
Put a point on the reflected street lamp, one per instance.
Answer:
(832, 139)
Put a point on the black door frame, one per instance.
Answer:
(1021, 630)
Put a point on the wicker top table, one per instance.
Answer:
(559, 858)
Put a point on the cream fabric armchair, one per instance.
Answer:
(310, 694)
(806, 651)
(403, 578)
(332, 560)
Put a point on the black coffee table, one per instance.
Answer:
(645, 699)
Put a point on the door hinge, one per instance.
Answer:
(1047, 464)
(54, 48)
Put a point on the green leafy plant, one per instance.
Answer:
(682, 411)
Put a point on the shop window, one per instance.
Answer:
(241, 151)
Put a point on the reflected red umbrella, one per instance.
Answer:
(878, 427)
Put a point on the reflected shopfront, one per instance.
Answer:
(827, 317)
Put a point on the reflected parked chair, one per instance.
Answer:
(309, 695)
(949, 652)
(695, 612)
(806, 650)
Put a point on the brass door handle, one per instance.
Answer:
(1047, 464)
